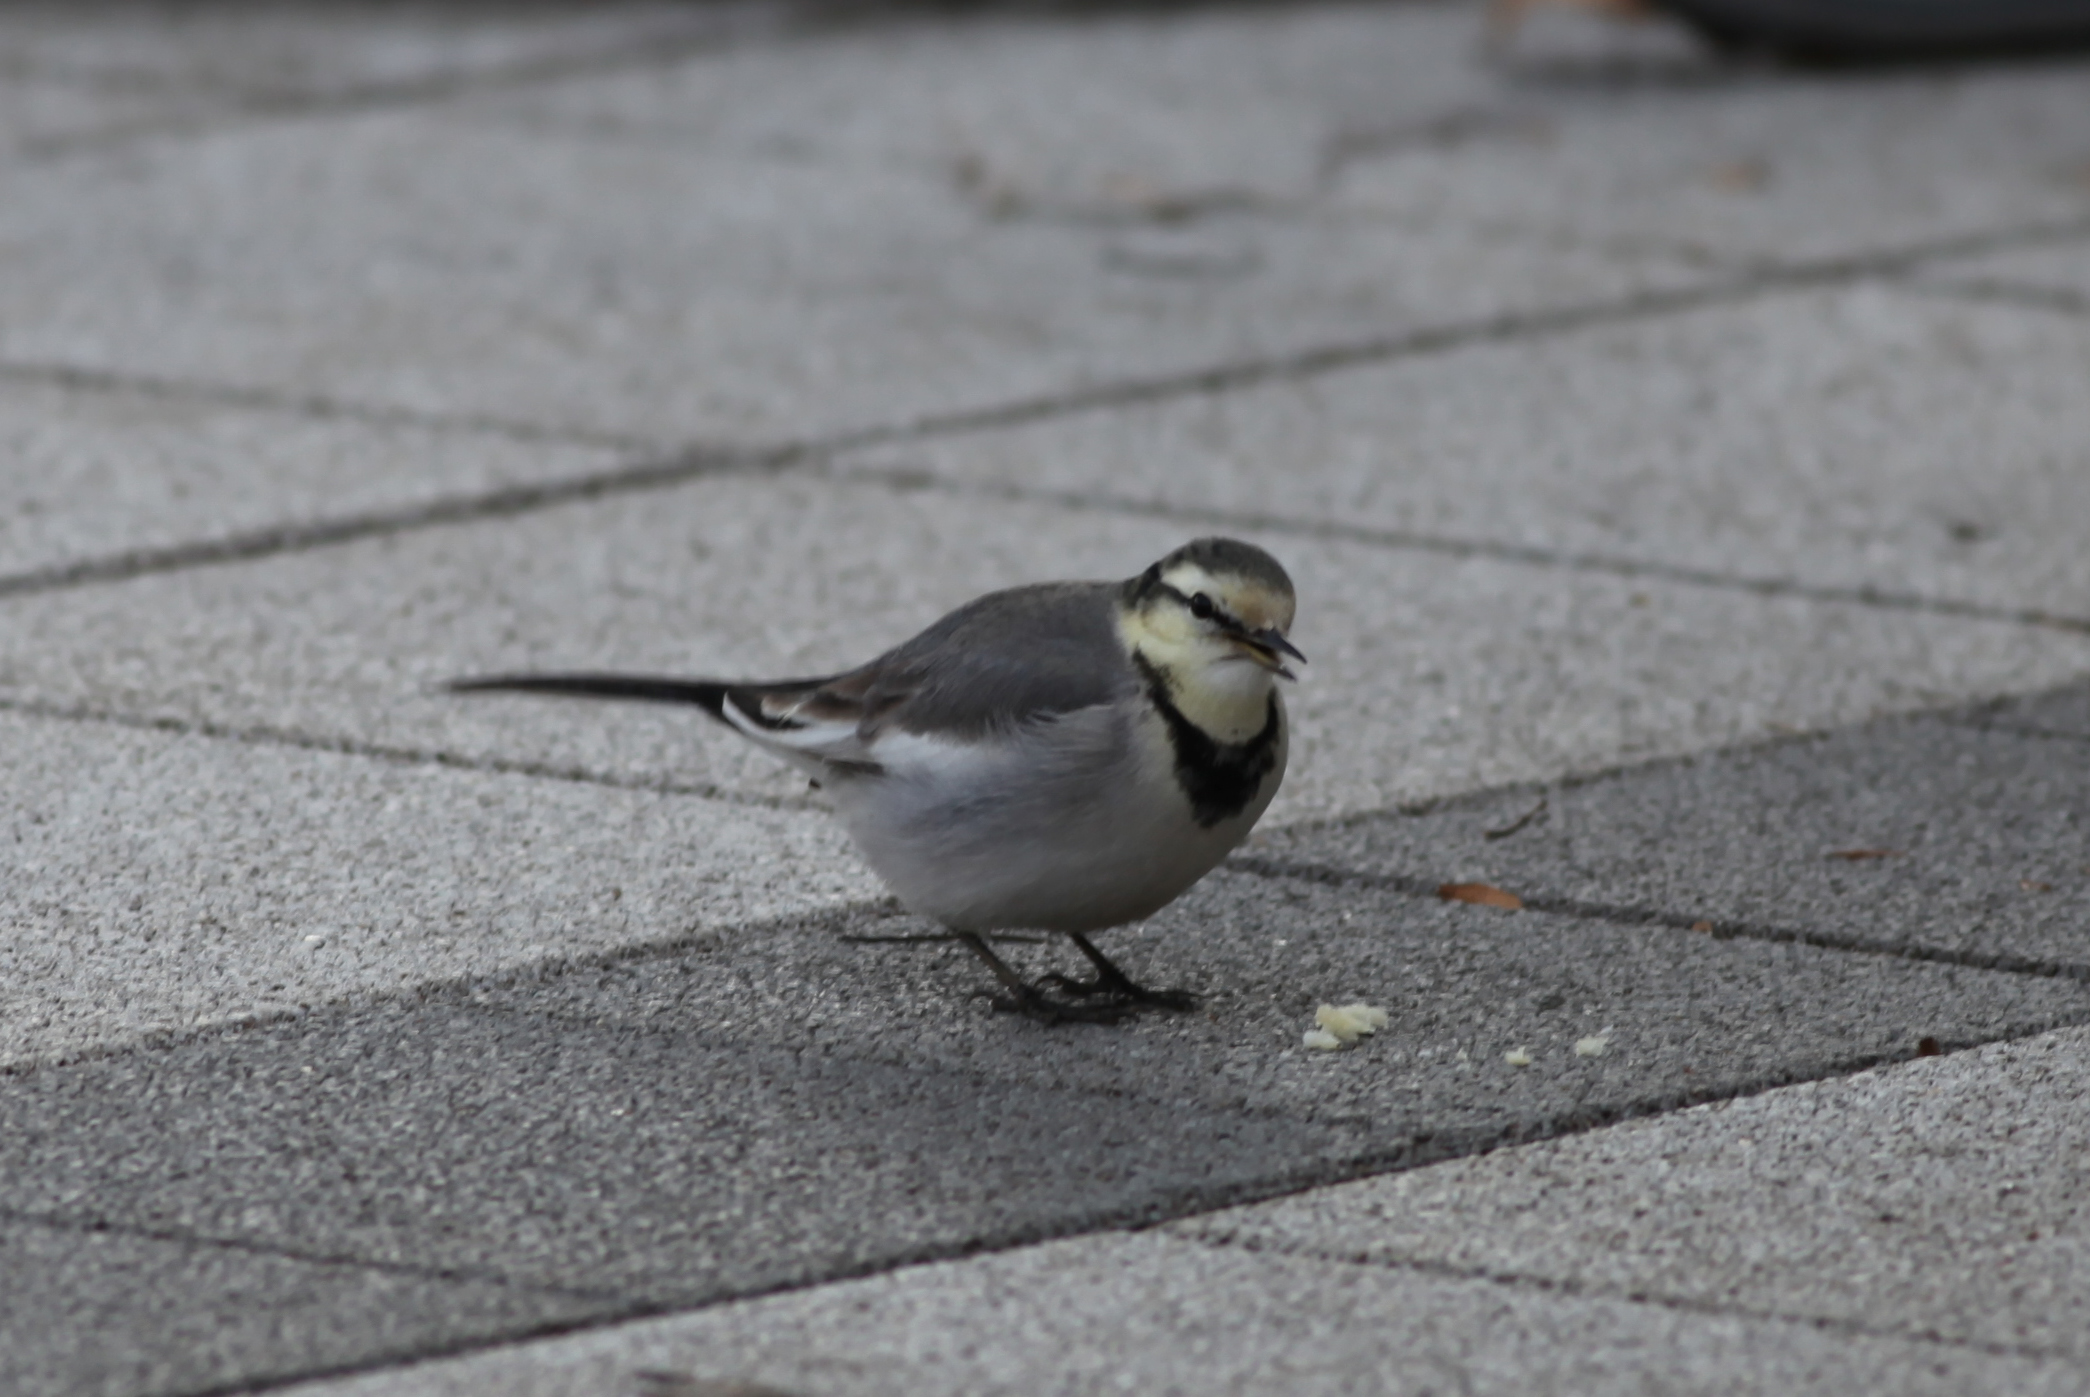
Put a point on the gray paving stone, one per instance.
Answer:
(1850, 438)
(318, 51)
(1924, 836)
(1685, 1016)
(1643, 149)
(1430, 675)
(94, 473)
(85, 1313)
(1137, 116)
(719, 288)
(37, 115)
(664, 1165)
(2056, 277)
(2062, 712)
(151, 881)
(1164, 1315)
(1942, 1198)
(771, 1106)
(1765, 167)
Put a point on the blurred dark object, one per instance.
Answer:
(1851, 30)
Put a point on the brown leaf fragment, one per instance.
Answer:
(1701, 926)
(1739, 176)
(1480, 894)
(1927, 1046)
(2033, 885)
(1860, 855)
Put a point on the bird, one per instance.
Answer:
(1063, 757)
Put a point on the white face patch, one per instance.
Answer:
(1212, 680)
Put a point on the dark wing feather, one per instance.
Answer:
(1005, 659)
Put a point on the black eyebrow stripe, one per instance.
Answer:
(1219, 613)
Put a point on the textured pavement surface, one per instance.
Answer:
(1683, 461)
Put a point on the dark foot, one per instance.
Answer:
(1036, 1005)
(1115, 986)
(1116, 997)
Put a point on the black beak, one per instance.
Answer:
(1271, 638)
(1267, 644)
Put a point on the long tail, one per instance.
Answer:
(707, 694)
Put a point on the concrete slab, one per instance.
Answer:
(154, 881)
(1162, 1314)
(100, 473)
(1430, 675)
(664, 1166)
(1853, 438)
(1636, 144)
(1133, 116)
(1759, 166)
(2062, 712)
(726, 289)
(92, 1313)
(281, 54)
(1684, 1017)
(772, 1106)
(1920, 837)
(38, 115)
(2055, 279)
(1941, 1198)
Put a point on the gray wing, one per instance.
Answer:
(1007, 659)
(1003, 660)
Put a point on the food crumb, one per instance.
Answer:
(1593, 1046)
(1518, 1057)
(1321, 1038)
(1349, 1022)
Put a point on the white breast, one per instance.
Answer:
(1075, 824)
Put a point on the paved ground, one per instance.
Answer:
(1684, 465)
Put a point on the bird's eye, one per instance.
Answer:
(1201, 607)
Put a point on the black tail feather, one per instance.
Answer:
(706, 694)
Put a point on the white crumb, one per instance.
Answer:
(1321, 1038)
(1349, 1022)
(1370, 1015)
(1518, 1057)
(1593, 1046)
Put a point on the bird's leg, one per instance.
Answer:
(1116, 984)
(1028, 1000)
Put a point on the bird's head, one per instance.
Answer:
(1211, 619)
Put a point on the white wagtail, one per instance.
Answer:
(1065, 757)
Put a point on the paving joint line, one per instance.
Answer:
(2057, 300)
(474, 1275)
(267, 736)
(1187, 1201)
(1522, 555)
(1170, 1206)
(1973, 714)
(697, 463)
(679, 467)
(232, 108)
(1331, 875)
(322, 407)
(425, 991)
(2022, 730)
(505, 502)
(1524, 1280)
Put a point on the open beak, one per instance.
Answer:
(1267, 647)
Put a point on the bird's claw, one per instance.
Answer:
(1036, 1004)
(1123, 990)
